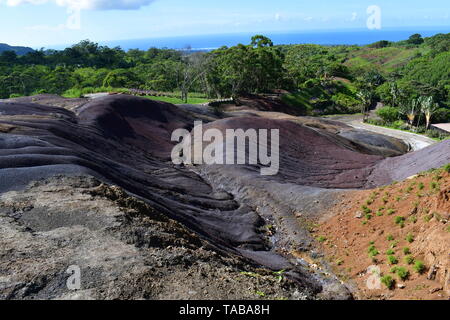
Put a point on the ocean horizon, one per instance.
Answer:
(321, 37)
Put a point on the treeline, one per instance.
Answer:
(320, 79)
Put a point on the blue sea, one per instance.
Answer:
(210, 42)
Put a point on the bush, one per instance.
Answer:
(406, 250)
(72, 93)
(447, 168)
(392, 260)
(388, 281)
(376, 122)
(410, 238)
(409, 259)
(402, 273)
(15, 95)
(373, 252)
(400, 124)
(380, 44)
(442, 115)
(388, 114)
(419, 267)
(400, 220)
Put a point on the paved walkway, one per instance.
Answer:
(416, 141)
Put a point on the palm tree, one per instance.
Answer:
(395, 94)
(429, 108)
(411, 110)
(366, 97)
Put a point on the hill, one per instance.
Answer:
(20, 51)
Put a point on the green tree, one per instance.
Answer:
(415, 39)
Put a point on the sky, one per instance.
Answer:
(42, 23)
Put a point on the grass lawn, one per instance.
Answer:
(175, 100)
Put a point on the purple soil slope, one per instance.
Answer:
(310, 157)
(403, 167)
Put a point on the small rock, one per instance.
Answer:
(358, 215)
(401, 286)
(437, 289)
(432, 273)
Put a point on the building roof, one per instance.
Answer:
(443, 126)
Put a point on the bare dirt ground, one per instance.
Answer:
(411, 219)
(125, 249)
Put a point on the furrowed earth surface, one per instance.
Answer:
(91, 183)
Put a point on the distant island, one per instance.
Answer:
(20, 51)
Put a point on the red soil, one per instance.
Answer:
(424, 203)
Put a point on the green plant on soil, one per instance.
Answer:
(366, 210)
(402, 273)
(392, 260)
(419, 267)
(410, 238)
(409, 259)
(400, 221)
(388, 281)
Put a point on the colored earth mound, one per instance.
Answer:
(125, 141)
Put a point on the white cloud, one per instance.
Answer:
(60, 27)
(354, 16)
(87, 4)
(278, 17)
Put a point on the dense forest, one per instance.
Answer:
(411, 77)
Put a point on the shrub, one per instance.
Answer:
(390, 237)
(392, 260)
(72, 93)
(366, 210)
(390, 252)
(400, 124)
(402, 273)
(321, 239)
(388, 281)
(391, 212)
(447, 168)
(410, 238)
(399, 220)
(409, 259)
(442, 115)
(388, 114)
(373, 252)
(419, 267)
(394, 244)
(406, 250)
